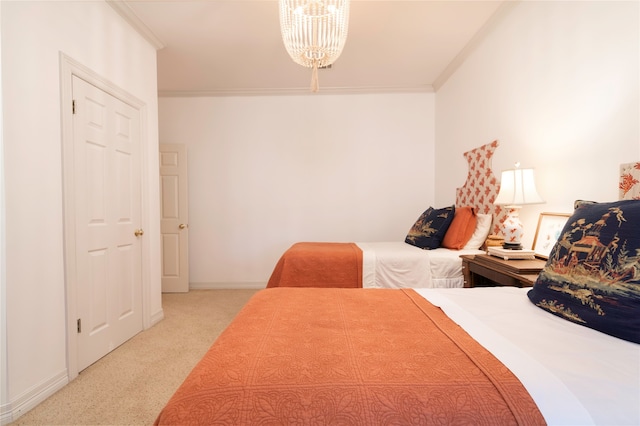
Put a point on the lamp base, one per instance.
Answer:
(512, 228)
(512, 246)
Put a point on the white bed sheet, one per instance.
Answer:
(576, 375)
(400, 265)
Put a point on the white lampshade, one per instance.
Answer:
(518, 187)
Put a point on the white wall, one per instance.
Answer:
(266, 172)
(557, 84)
(33, 35)
(4, 397)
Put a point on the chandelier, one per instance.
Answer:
(314, 32)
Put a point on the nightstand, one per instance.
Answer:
(483, 270)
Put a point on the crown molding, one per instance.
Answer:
(125, 11)
(294, 91)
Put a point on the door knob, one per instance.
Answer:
(182, 226)
(138, 232)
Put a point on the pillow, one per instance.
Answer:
(592, 276)
(429, 229)
(480, 234)
(461, 228)
(580, 203)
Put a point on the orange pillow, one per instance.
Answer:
(461, 228)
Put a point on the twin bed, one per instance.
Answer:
(393, 264)
(317, 356)
(566, 352)
(447, 233)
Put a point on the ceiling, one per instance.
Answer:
(233, 47)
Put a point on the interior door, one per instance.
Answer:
(174, 221)
(107, 194)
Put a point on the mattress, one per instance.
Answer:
(576, 375)
(401, 265)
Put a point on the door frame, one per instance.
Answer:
(68, 68)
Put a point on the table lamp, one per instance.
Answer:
(517, 188)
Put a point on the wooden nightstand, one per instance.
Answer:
(483, 270)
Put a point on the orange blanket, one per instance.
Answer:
(347, 356)
(319, 265)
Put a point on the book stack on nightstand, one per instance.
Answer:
(507, 254)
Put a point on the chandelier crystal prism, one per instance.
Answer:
(314, 32)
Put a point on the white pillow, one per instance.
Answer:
(483, 226)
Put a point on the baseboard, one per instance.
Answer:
(6, 414)
(157, 317)
(228, 286)
(34, 396)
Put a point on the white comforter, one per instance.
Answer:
(401, 265)
(576, 375)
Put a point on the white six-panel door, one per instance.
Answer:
(107, 194)
(174, 218)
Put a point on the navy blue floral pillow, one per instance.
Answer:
(429, 229)
(592, 276)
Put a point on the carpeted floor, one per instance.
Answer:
(130, 385)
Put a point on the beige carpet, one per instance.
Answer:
(130, 385)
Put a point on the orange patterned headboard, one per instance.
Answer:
(481, 186)
(629, 187)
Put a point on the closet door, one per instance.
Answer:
(107, 200)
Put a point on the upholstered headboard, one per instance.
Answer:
(481, 186)
(629, 186)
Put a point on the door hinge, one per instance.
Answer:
(79, 325)
(73, 106)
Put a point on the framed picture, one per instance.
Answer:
(547, 233)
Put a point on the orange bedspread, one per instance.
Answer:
(347, 356)
(319, 265)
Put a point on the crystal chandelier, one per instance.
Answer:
(314, 32)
